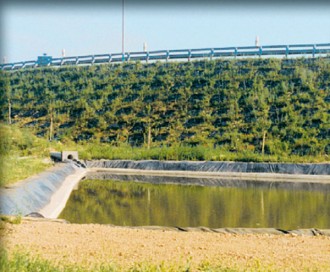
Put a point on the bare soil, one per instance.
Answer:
(92, 244)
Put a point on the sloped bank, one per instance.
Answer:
(267, 181)
(46, 193)
(229, 174)
(214, 166)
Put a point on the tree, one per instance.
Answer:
(261, 105)
(50, 104)
(6, 95)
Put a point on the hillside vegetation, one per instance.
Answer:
(22, 154)
(276, 107)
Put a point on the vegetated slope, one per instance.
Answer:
(22, 154)
(279, 106)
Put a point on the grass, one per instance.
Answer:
(24, 262)
(17, 219)
(22, 154)
(17, 168)
(96, 151)
(5, 219)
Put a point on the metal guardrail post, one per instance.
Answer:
(211, 54)
(287, 51)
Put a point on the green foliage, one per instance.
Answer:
(268, 107)
(11, 219)
(22, 154)
(89, 151)
(22, 142)
(24, 262)
(18, 168)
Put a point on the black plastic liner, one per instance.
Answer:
(221, 182)
(34, 193)
(239, 231)
(211, 166)
(298, 232)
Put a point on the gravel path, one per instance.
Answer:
(92, 244)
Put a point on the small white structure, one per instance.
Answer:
(257, 43)
(64, 155)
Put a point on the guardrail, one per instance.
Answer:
(188, 54)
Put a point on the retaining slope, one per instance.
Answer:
(216, 166)
(45, 193)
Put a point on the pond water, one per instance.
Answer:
(131, 203)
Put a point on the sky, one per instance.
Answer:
(30, 29)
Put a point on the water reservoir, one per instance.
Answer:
(178, 201)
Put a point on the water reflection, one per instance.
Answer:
(137, 204)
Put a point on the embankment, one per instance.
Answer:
(216, 166)
(45, 193)
(206, 173)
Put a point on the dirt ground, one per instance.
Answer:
(92, 244)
